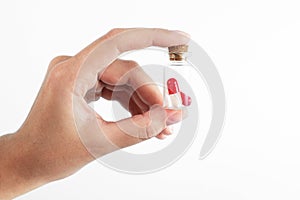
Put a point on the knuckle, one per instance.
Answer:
(131, 64)
(154, 127)
(56, 74)
(150, 132)
(143, 125)
(59, 71)
(58, 59)
(142, 120)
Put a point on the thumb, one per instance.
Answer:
(138, 128)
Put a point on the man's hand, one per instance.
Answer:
(62, 133)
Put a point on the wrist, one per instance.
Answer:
(48, 157)
(30, 160)
(14, 171)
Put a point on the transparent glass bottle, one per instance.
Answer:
(174, 78)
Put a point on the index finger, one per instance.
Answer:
(106, 50)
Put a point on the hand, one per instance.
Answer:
(62, 133)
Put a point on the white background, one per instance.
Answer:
(255, 45)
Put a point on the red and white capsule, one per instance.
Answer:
(174, 93)
(177, 97)
(173, 86)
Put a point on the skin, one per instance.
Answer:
(47, 147)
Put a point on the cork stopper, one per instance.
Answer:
(176, 53)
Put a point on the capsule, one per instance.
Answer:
(177, 97)
(174, 93)
(173, 86)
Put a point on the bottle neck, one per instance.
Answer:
(178, 63)
(177, 58)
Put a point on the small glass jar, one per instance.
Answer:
(174, 95)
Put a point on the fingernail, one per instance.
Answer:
(171, 129)
(163, 136)
(182, 33)
(168, 131)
